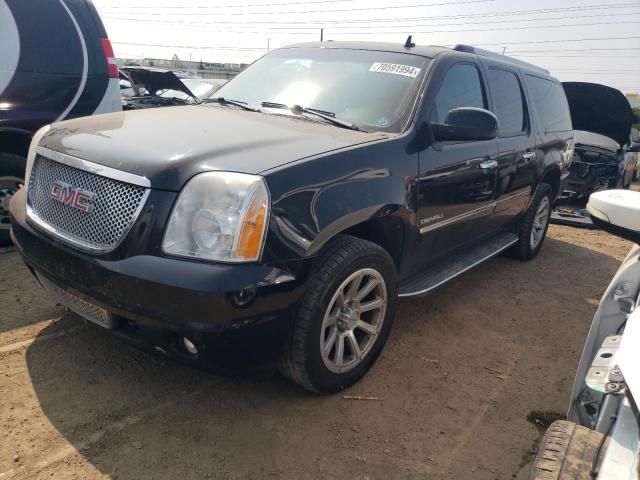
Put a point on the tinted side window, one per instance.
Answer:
(551, 104)
(461, 87)
(507, 97)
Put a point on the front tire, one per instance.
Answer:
(11, 179)
(345, 316)
(533, 227)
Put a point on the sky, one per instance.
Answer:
(576, 40)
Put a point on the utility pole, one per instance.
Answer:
(322, 34)
(268, 43)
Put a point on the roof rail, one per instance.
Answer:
(497, 56)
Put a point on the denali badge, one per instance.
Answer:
(432, 218)
(72, 196)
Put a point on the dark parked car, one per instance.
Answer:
(56, 63)
(282, 223)
(153, 87)
(603, 158)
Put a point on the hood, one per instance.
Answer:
(170, 145)
(595, 140)
(155, 80)
(599, 109)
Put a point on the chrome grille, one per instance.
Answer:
(85, 309)
(114, 207)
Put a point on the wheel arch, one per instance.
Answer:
(552, 176)
(382, 227)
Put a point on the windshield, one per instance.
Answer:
(200, 89)
(371, 89)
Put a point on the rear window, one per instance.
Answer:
(551, 104)
(508, 102)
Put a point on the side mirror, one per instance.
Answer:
(634, 147)
(466, 124)
(617, 212)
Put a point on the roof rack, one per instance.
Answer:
(497, 56)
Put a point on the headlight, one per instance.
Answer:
(219, 216)
(32, 152)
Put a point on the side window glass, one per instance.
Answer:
(461, 87)
(551, 104)
(508, 102)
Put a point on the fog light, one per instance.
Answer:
(189, 346)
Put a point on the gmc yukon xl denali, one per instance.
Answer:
(280, 222)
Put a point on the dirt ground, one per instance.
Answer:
(462, 371)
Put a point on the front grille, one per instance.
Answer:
(85, 309)
(114, 205)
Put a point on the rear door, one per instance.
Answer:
(516, 166)
(455, 185)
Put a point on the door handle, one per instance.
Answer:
(529, 155)
(489, 164)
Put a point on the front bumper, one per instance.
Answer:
(238, 316)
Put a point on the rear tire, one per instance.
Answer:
(11, 178)
(532, 229)
(337, 306)
(566, 452)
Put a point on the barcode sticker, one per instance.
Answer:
(396, 69)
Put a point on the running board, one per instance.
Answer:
(449, 268)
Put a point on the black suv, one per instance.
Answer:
(281, 221)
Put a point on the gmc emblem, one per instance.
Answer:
(72, 196)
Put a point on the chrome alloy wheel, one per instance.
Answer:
(353, 320)
(8, 187)
(539, 223)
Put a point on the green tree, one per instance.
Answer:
(175, 61)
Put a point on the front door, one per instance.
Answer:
(457, 180)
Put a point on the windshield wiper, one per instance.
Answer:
(237, 103)
(329, 116)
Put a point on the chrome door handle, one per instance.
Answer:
(489, 164)
(529, 155)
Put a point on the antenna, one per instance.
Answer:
(409, 43)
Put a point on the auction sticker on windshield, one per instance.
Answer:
(395, 68)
